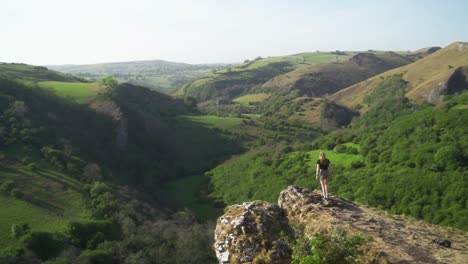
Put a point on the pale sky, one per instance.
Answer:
(44, 32)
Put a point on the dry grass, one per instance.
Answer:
(396, 239)
(424, 76)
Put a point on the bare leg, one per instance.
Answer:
(324, 187)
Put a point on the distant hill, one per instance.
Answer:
(29, 73)
(234, 81)
(442, 72)
(163, 76)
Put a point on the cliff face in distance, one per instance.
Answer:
(396, 239)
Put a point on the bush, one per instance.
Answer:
(340, 149)
(83, 232)
(16, 231)
(337, 248)
(96, 256)
(7, 186)
(26, 160)
(92, 172)
(447, 157)
(352, 150)
(44, 245)
(32, 166)
(99, 188)
(357, 164)
(15, 192)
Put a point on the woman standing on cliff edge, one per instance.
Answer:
(324, 171)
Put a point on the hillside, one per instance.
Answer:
(328, 78)
(371, 160)
(442, 72)
(28, 73)
(163, 76)
(70, 161)
(297, 95)
(231, 82)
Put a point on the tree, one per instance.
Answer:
(19, 108)
(109, 81)
(447, 157)
(92, 173)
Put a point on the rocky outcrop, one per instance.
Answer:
(257, 232)
(254, 232)
(121, 138)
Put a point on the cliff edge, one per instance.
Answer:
(258, 232)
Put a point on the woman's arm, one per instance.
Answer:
(317, 172)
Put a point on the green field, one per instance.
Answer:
(295, 59)
(185, 193)
(77, 92)
(251, 98)
(213, 121)
(49, 201)
(342, 159)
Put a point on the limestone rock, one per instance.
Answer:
(257, 232)
(254, 232)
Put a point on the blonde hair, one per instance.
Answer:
(322, 155)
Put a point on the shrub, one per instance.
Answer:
(92, 173)
(32, 166)
(340, 148)
(44, 245)
(7, 186)
(15, 192)
(357, 164)
(82, 232)
(373, 156)
(26, 160)
(99, 188)
(96, 256)
(447, 157)
(16, 231)
(337, 248)
(352, 150)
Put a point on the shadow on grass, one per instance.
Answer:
(60, 179)
(43, 204)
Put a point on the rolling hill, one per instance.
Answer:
(28, 73)
(442, 72)
(328, 78)
(234, 81)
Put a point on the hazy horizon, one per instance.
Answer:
(54, 32)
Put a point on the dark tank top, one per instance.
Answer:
(324, 165)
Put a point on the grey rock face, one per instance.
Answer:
(252, 232)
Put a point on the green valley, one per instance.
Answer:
(107, 172)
